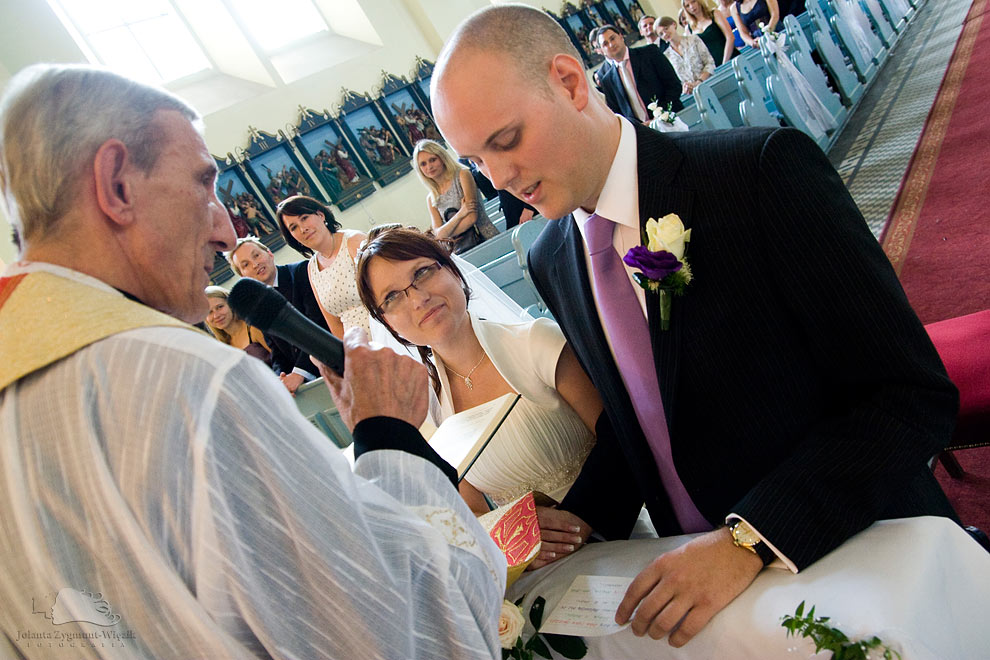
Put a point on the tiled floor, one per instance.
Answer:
(875, 148)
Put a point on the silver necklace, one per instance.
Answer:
(467, 379)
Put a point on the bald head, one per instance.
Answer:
(526, 37)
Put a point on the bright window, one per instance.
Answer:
(144, 39)
(274, 25)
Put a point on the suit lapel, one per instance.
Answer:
(658, 162)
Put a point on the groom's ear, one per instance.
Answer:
(568, 74)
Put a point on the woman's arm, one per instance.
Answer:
(435, 220)
(475, 499)
(774, 15)
(743, 32)
(576, 388)
(730, 39)
(333, 322)
(467, 214)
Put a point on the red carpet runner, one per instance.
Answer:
(938, 233)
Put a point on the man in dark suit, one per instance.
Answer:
(636, 77)
(252, 258)
(798, 396)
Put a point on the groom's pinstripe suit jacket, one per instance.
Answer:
(801, 391)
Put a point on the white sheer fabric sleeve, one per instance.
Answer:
(175, 476)
(387, 561)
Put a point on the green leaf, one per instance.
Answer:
(568, 646)
(538, 646)
(536, 612)
(800, 609)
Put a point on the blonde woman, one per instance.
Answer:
(713, 29)
(453, 202)
(229, 328)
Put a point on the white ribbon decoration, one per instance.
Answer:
(851, 15)
(817, 117)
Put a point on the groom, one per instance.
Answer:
(795, 398)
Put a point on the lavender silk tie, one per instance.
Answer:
(630, 337)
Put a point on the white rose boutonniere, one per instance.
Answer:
(663, 266)
(510, 624)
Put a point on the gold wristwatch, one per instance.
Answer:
(744, 536)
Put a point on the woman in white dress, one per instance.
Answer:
(310, 228)
(409, 282)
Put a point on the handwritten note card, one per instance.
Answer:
(588, 607)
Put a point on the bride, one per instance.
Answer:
(409, 283)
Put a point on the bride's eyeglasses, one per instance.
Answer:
(395, 300)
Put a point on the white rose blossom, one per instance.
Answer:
(667, 234)
(510, 624)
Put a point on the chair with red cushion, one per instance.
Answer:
(964, 345)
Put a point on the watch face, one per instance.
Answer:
(745, 535)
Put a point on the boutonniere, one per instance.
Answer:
(664, 269)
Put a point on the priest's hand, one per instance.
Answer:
(681, 590)
(377, 382)
(561, 533)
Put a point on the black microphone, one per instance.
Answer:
(267, 309)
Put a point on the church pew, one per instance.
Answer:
(851, 86)
(710, 110)
(888, 35)
(866, 64)
(314, 402)
(752, 91)
(490, 250)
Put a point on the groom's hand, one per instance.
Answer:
(561, 533)
(680, 591)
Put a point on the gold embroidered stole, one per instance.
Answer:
(45, 317)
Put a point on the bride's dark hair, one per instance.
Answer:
(397, 243)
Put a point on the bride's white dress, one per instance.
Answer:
(543, 443)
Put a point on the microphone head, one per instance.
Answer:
(256, 302)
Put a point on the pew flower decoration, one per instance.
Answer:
(663, 267)
(830, 638)
(667, 116)
(510, 628)
(777, 38)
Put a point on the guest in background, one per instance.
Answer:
(252, 258)
(456, 212)
(231, 329)
(748, 14)
(713, 29)
(723, 9)
(310, 229)
(688, 54)
(636, 77)
(409, 282)
(645, 26)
